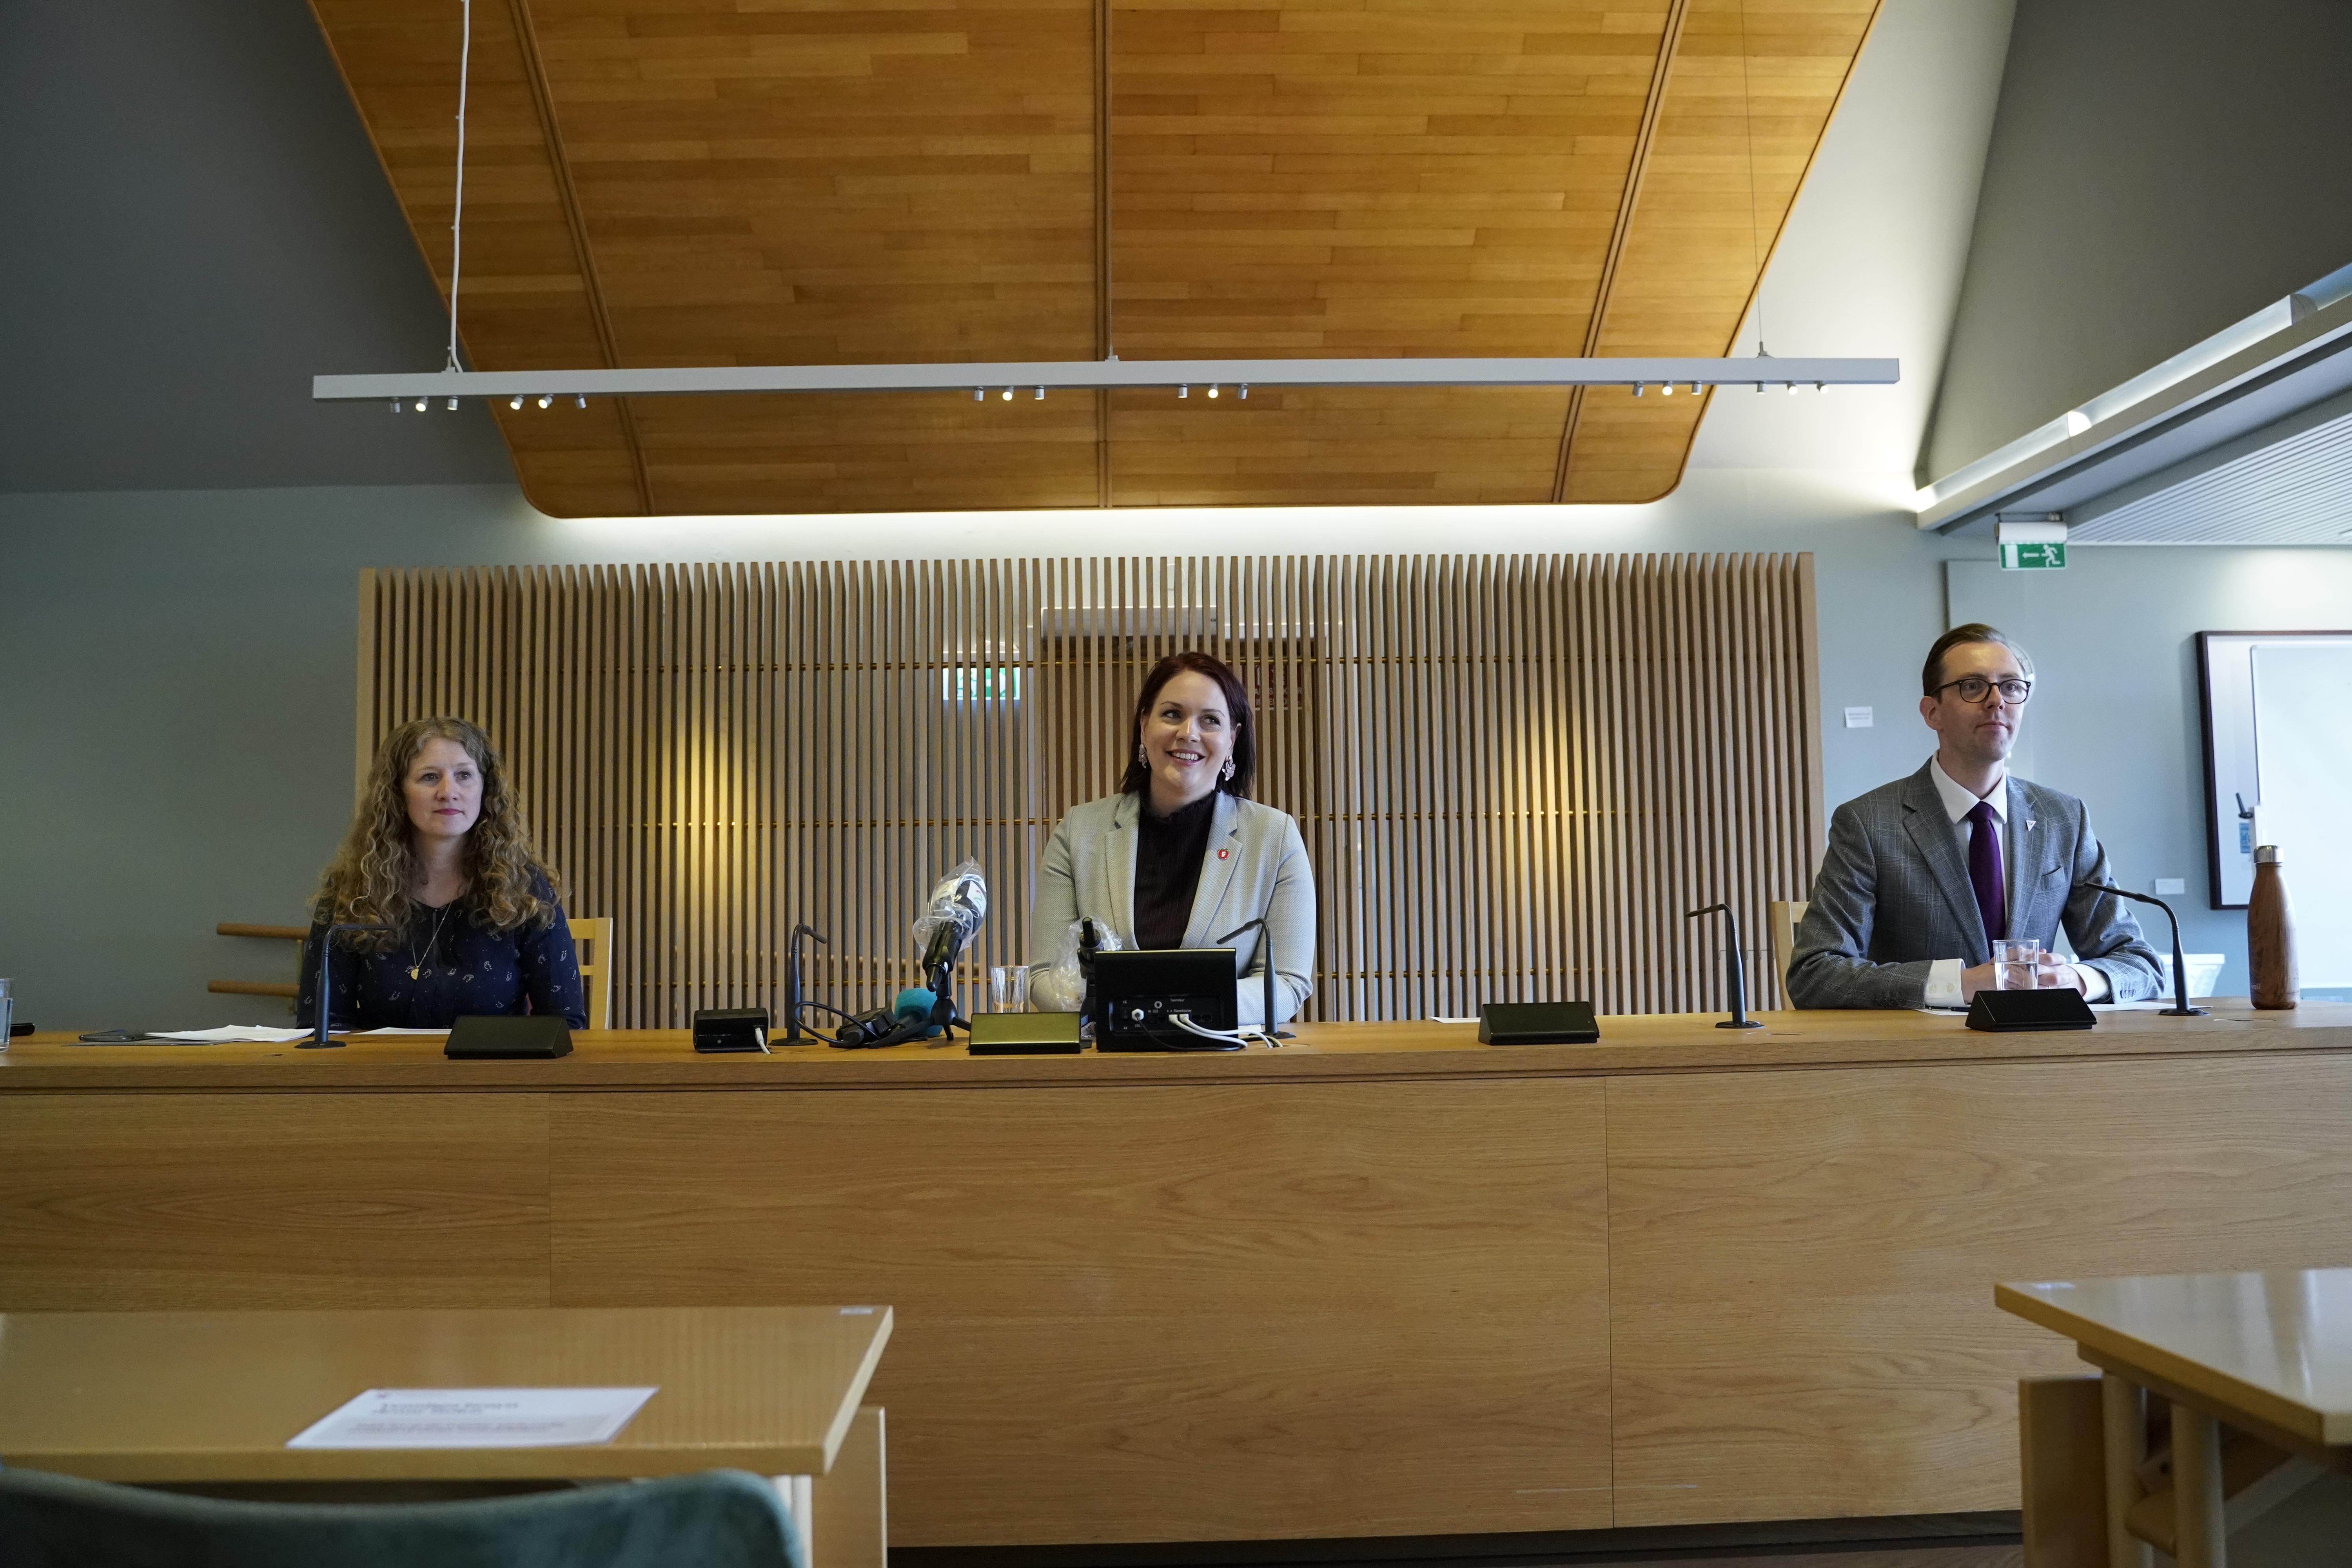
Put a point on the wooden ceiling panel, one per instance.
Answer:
(714, 182)
(1753, 85)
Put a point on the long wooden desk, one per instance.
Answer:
(1386, 1281)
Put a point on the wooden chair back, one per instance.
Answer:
(1783, 914)
(259, 987)
(592, 939)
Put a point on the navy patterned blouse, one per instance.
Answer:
(443, 967)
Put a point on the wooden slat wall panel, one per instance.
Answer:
(1515, 773)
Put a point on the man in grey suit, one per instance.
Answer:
(1923, 875)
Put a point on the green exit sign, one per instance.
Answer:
(2032, 557)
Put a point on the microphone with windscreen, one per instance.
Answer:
(958, 905)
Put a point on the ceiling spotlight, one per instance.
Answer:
(1667, 390)
(1008, 394)
(1212, 389)
(1041, 395)
(544, 400)
(1693, 389)
(453, 405)
(395, 406)
(1820, 386)
(579, 400)
(977, 395)
(1183, 392)
(1792, 389)
(1639, 389)
(516, 402)
(1246, 392)
(420, 406)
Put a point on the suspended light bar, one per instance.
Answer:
(1089, 375)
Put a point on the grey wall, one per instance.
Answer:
(192, 225)
(2158, 170)
(176, 720)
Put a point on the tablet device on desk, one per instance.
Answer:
(1139, 993)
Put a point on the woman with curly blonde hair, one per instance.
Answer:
(437, 854)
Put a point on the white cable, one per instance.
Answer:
(1236, 1037)
(457, 215)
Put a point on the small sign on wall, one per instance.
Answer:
(2032, 557)
(2033, 545)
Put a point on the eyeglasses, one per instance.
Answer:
(1973, 687)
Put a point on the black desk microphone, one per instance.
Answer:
(1735, 967)
(1267, 974)
(319, 1040)
(2180, 1007)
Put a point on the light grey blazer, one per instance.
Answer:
(1255, 864)
(1893, 895)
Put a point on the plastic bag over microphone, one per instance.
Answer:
(958, 904)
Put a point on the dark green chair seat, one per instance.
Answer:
(717, 1519)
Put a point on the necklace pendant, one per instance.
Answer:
(414, 971)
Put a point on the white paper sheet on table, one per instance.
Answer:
(397, 1030)
(231, 1032)
(476, 1418)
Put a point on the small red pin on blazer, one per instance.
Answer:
(1224, 854)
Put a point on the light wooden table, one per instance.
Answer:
(213, 1397)
(1384, 1282)
(2257, 1368)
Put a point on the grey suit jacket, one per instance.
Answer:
(1893, 895)
(1255, 864)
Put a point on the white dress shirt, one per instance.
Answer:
(1944, 975)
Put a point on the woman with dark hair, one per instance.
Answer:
(1180, 856)
(438, 856)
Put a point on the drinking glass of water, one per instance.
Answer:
(2017, 965)
(1008, 988)
(7, 1011)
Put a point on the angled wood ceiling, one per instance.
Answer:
(807, 182)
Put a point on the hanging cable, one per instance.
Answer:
(1755, 224)
(457, 214)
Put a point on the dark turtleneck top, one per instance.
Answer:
(1168, 855)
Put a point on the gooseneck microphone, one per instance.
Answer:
(319, 1040)
(2180, 1007)
(1735, 969)
(793, 978)
(1226, 940)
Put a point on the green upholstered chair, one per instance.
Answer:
(717, 1519)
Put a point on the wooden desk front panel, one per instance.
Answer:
(152, 1201)
(1801, 1263)
(1155, 1313)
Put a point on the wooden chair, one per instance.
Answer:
(1782, 915)
(294, 934)
(591, 938)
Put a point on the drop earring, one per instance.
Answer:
(1228, 773)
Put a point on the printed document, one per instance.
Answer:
(476, 1418)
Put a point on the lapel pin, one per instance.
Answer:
(1224, 854)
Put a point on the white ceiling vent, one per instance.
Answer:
(2293, 489)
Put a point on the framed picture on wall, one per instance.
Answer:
(2278, 763)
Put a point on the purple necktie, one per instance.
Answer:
(1984, 871)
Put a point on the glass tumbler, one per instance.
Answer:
(7, 1011)
(1008, 988)
(2017, 965)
